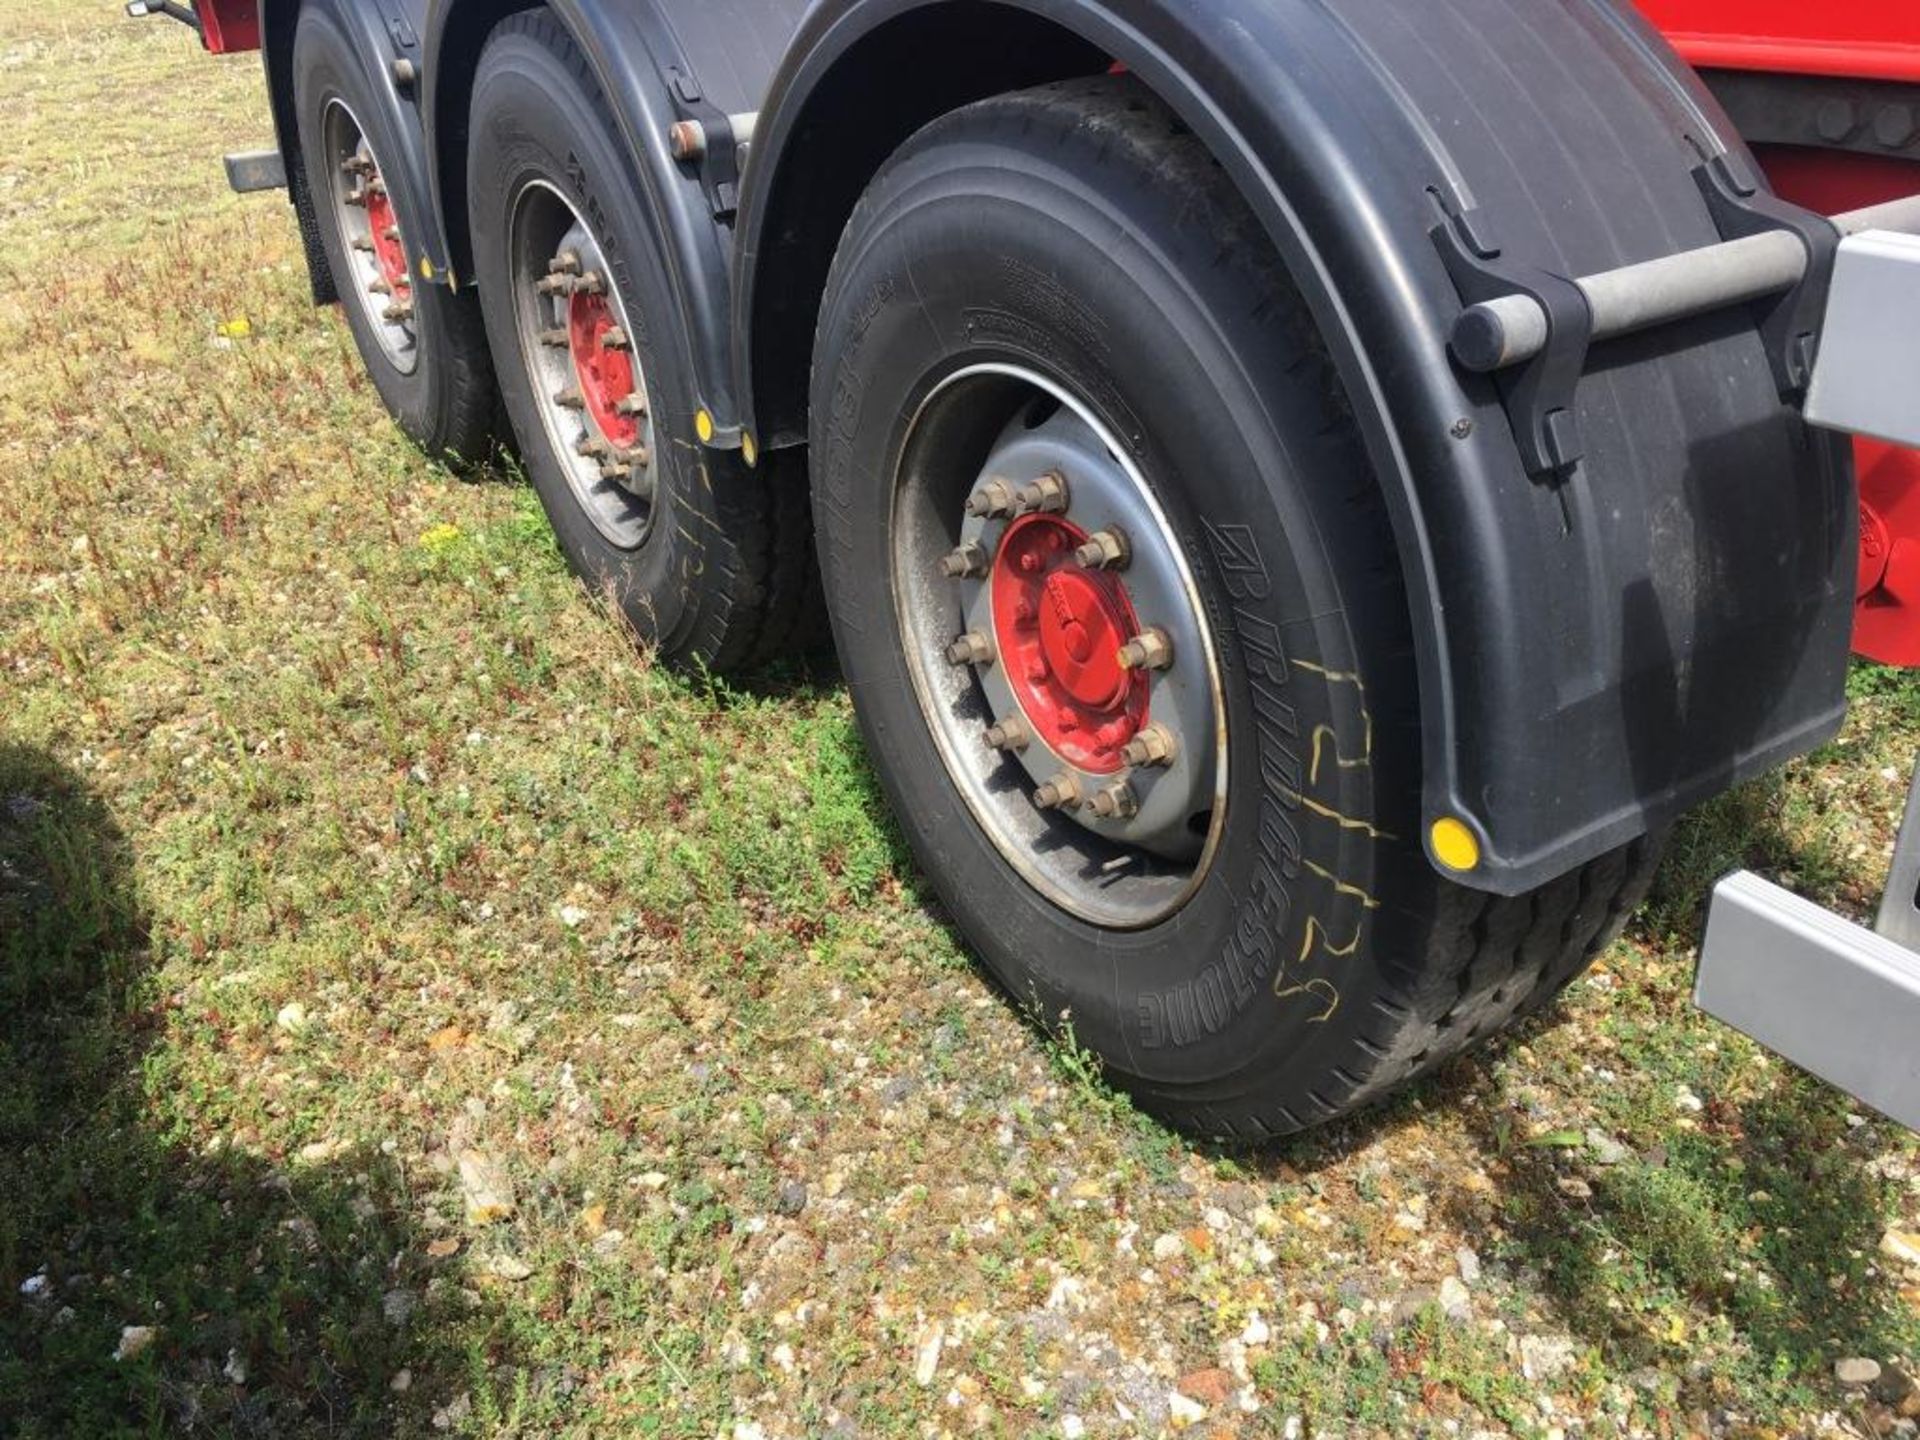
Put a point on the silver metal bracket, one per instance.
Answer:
(1835, 998)
(1899, 917)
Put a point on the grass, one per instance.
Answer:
(343, 840)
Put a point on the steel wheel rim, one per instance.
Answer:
(577, 345)
(1118, 870)
(378, 280)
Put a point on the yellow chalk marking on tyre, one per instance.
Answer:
(1341, 887)
(1454, 845)
(1322, 990)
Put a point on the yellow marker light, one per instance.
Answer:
(750, 450)
(703, 426)
(1453, 844)
(426, 268)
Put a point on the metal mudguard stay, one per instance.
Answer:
(1597, 649)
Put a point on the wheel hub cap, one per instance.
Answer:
(605, 373)
(1060, 627)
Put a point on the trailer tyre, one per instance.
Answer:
(1118, 602)
(423, 345)
(709, 559)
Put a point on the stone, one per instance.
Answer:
(791, 1198)
(134, 1340)
(1210, 1387)
(486, 1188)
(292, 1017)
(1469, 1264)
(1542, 1357)
(509, 1267)
(1184, 1412)
(1166, 1247)
(926, 1360)
(1901, 1246)
(1605, 1149)
(1455, 1300)
(1857, 1371)
(1574, 1188)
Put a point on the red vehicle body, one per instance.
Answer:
(1871, 41)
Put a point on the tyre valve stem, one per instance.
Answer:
(1060, 793)
(972, 648)
(1010, 734)
(994, 500)
(1107, 549)
(1046, 496)
(965, 562)
(1154, 745)
(1116, 802)
(1149, 650)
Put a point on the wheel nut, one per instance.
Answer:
(398, 312)
(1105, 550)
(615, 339)
(381, 287)
(1045, 496)
(634, 404)
(555, 339)
(972, 648)
(994, 500)
(1010, 734)
(592, 446)
(966, 561)
(570, 399)
(1154, 745)
(1060, 793)
(556, 285)
(590, 283)
(363, 245)
(1149, 650)
(567, 262)
(1116, 802)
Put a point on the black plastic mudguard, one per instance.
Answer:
(1597, 649)
(657, 63)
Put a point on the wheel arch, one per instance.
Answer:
(1330, 117)
(381, 32)
(635, 60)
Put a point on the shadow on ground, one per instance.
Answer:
(279, 1298)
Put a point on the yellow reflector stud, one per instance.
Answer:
(703, 426)
(749, 450)
(426, 268)
(1453, 844)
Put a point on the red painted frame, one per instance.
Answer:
(1864, 39)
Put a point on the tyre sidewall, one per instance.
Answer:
(535, 118)
(425, 401)
(967, 253)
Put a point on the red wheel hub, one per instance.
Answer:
(389, 252)
(605, 371)
(1060, 627)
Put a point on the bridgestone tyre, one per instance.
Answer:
(1079, 232)
(716, 568)
(443, 397)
